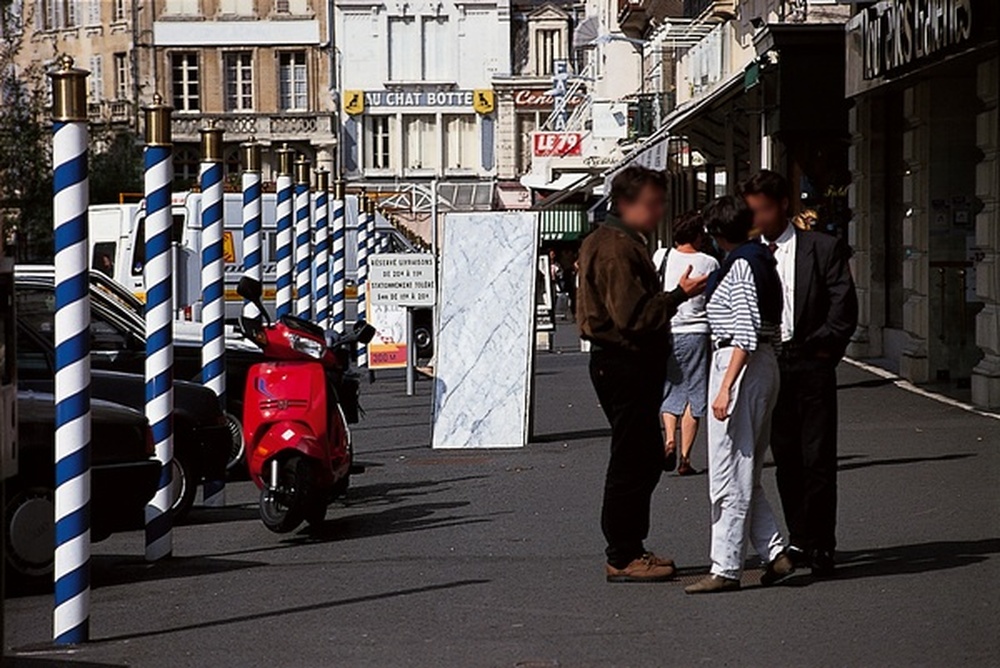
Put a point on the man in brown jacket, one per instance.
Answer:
(625, 314)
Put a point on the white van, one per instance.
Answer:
(117, 247)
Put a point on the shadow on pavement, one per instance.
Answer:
(396, 519)
(902, 461)
(915, 558)
(50, 662)
(112, 570)
(583, 434)
(282, 612)
(867, 384)
(398, 492)
(201, 515)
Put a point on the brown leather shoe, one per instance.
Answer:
(685, 468)
(647, 568)
(713, 584)
(779, 569)
(659, 561)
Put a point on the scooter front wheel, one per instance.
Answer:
(283, 508)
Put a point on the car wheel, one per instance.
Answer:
(30, 527)
(184, 487)
(424, 340)
(236, 448)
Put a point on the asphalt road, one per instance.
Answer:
(494, 558)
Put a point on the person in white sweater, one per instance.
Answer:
(685, 394)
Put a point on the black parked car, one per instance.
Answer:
(202, 438)
(123, 479)
(118, 339)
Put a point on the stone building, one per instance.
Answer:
(418, 109)
(100, 36)
(924, 192)
(257, 68)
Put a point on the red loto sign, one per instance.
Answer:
(556, 144)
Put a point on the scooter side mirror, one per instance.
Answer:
(250, 289)
(365, 333)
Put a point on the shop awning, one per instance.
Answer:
(564, 222)
(561, 182)
(653, 151)
(512, 196)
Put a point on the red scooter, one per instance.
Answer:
(296, 409)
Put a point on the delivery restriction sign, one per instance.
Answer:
(397, 282)
(402, 279)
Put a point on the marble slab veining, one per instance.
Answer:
(484, 345)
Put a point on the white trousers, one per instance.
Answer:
(740, 512)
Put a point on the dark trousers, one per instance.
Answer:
(630, 388)
(804, 444)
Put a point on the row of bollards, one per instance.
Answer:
(296, 226)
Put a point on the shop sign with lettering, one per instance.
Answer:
(899, 33)
(542, 99)
(380, 99)
(556, 144)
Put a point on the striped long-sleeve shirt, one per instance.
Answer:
(733, 311)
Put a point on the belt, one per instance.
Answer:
(728, 343)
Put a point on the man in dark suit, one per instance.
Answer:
(819, 316)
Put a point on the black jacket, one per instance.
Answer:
(826, 303)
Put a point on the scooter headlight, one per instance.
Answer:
(306, 345)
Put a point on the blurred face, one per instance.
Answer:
(645, 212)
(769, 216)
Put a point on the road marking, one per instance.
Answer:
(910, 387)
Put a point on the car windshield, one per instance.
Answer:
(36, 310)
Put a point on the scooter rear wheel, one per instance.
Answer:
(283, 509)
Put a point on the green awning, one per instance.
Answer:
(563, 222)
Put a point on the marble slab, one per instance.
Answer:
(483, 344)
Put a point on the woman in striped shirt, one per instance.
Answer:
(744, 314)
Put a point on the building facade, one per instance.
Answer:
(758, 85)
(100, 36)
(924, 192)
(257, 68)
(417, 102)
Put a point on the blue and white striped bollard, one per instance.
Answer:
(322, 249)
(213, 297)
(250, 182)
(303, 241)
(366, 215)
(338, 221)
(71, 616)
(158, 274)
(285, 234)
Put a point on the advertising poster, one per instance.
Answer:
(388, 349)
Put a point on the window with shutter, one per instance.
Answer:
(96, 79)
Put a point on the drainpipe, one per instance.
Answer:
(135, 63)
(334, 88)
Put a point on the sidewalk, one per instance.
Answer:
(494, 558)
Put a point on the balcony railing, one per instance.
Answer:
(267, 127)
(113, 111)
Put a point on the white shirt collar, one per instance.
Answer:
(783, 238)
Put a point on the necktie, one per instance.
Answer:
(773, 247)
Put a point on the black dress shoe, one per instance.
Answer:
(800, 558)
(822, 563)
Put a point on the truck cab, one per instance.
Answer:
(117, 247)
